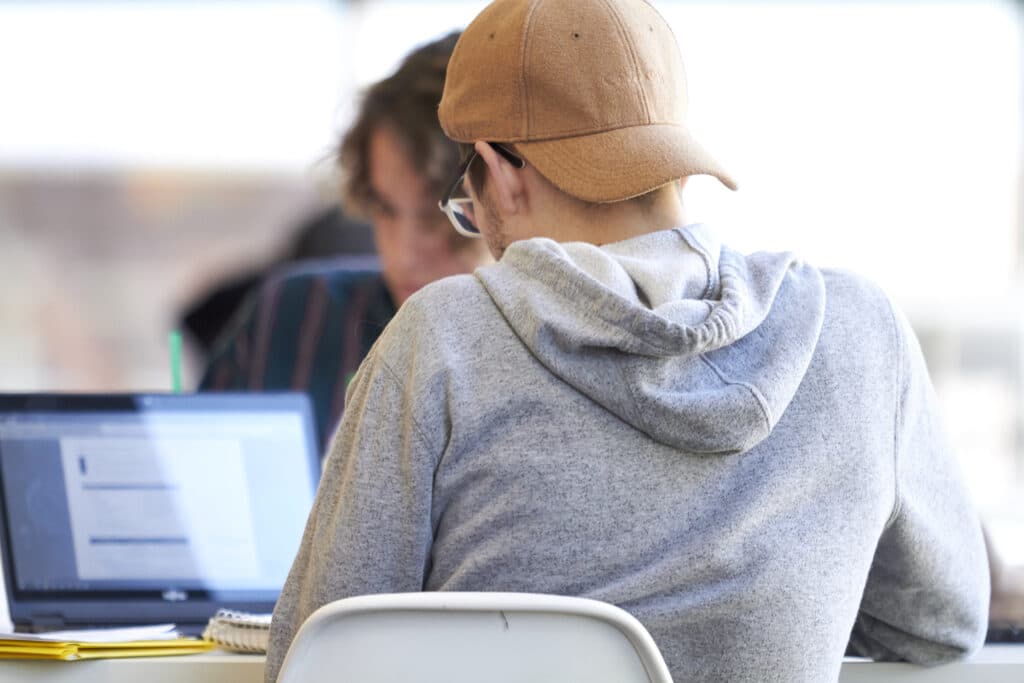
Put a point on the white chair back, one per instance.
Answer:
(472, 638)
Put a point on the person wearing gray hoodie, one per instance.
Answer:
(743, 451)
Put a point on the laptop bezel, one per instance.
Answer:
(41, 610)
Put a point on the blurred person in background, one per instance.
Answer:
(325, 233)
(309, 327)
(1006, 609)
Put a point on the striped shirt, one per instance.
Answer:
(306, 329)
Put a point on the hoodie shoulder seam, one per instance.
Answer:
(761, 402)
(395, 379)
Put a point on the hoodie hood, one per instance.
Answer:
(698, 346)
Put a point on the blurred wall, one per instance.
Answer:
(97, 266)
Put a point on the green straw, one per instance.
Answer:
(174, 339)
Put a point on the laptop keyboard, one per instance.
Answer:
(1005, 633)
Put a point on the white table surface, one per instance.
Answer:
(994, 664)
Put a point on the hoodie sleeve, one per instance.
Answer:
(370, 527)
(927, 593)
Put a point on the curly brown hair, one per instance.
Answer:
(407, 103)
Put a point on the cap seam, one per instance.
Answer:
(679, 60)
(454, 133)
(527, 113)
(570, 164)
(577, 133)
(624, 34)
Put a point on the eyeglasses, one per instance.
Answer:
(458, 205)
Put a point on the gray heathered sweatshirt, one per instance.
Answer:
(742, 451)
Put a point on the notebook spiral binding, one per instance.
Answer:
(239, 631)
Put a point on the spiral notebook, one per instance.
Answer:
(239, 631)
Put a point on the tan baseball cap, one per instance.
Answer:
(592, 93)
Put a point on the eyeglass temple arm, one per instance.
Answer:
(511, 158)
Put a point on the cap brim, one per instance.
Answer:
(619, 164)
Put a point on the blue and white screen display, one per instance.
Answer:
(141, 501)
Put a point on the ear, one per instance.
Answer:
(505, 179)
(680, 187)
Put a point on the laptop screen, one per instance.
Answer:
(151, 508)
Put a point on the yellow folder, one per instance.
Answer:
(41, 649)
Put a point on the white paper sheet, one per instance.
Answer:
(99, 635)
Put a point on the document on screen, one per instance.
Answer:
(148, 510)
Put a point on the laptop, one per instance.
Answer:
(146, 509)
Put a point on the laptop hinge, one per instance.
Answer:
(39, 623)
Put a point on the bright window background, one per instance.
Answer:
(884, 137)
(247, 85)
